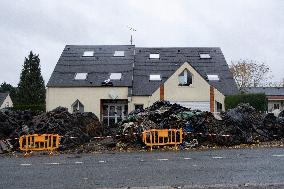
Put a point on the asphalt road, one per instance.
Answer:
(226, 168)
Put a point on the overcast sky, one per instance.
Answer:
(244, 29)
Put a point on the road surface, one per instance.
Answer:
(226, 168)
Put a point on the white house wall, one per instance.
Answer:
(198, 91)
(89, 96)
(7, 103)
(196, 96)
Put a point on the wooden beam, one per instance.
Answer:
(212, 100)
(162, 92)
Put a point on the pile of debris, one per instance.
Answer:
(241, 125)
(83, 132)
(75, 129)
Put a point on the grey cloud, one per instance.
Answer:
(243, 29)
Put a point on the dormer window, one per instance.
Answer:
(115, 76)
(81, 76)
(154, 56)
(155, 77)
(88, 53)
(213, 77)
(118, 53)
(204, 55)
(185, 78)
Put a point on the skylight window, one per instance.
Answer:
(115, 76)
(155, 77)
(81, 76)
(204, 55)
(88, 53)
(118, 53)
(213, 77)
(154, 56)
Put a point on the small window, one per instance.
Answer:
(115, 76)
(219, 106)
(118, 53)
(185, 78)
(77, 106)
(139, 106)
(88, 53)
(81, 76)
(213, 77)
(276, 106)
(204, 55)
(155, 78)
(154, 56)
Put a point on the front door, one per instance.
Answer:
(114, 113)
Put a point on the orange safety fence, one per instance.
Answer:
(159, 137)
(37, 142)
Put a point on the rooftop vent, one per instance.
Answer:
(155, 77)
(118, 53)
(154, 56)
(204, 55)
(88, 53)
(81, 76)
(115, 76)
(213, 77)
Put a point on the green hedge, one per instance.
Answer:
(258, 101)
(38, 107)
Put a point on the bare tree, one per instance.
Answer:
(250, 73)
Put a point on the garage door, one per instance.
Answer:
(200, 105)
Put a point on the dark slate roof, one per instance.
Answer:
(3, 96)
(269, 91)
(171, 59)
(103, 63)
(98, 67)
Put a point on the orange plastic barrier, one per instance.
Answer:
(36, 142)
(159, 137)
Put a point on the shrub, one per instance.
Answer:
(257, 100)
(38, 107)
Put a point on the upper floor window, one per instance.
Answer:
(204, 55)
(81, 76)
(155, 77)
(154, 56)
(213, 77)
(185, 78)
(88, 53)
(118, 53)
(115, 76)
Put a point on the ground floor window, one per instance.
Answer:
(219, 106)
(276, 106)
(138, 106)
(77, 106)
(114, 112)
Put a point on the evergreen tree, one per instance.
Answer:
(31, 88)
